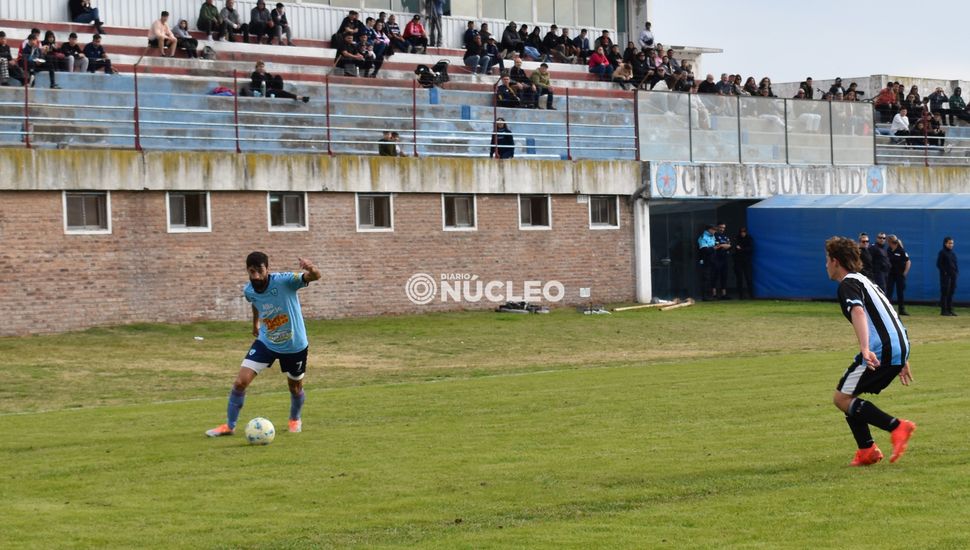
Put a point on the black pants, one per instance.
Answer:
(548, 93)
(742, 276)
(231, 32)
(897, 286)
(881, 280)
(719, 268)
(213, 28)
(259, 30)
(34, 68)
(948, 286)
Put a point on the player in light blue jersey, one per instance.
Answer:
(280, 335)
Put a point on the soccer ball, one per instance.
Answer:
(260, 431)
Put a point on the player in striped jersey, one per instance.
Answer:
(883, 353)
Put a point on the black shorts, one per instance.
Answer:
(860, 379)
(260, 358)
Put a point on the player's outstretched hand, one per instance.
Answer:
(310, 270)
(905, 376)
(871, 360)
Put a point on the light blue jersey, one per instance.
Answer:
(281, 326)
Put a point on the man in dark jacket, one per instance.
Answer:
(880, 262)
(865, 256)
(946, 262)
(899, 265)
(743, 253)
(503, 142)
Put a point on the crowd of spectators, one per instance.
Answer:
(35, 55)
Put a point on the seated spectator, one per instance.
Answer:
(572, 52)
(470, 33)
(484, 32)
(809, 87)
(750, 87)
(854, 88)
(8, 69)
(624, 76)
(708, 86)
(914, 90)
(161, 37)
(503, 142)
(936, 132)
(233, 22)
(475, 57)
(82, 12)
(900, 124)
(554, 46)
(800, 94)
(600, 65)
(209, 21)
(937, 99)
(522, 84)
(398, 41)
(543, 85)
(646, 36)
(491, 48)
(913, 105)
(34, 61)
(640, 69)
(185, 41)
(352, 24)
(658, 82)
(958, 107)
(415, 35)
(52, 55)
(919, 135)
(766, 83)
(887, 103)
(615, 56)
(630, 53)
(97, 58)
(581, 43)
(674, 62)
(533, 45)
(366, 47)
(261, 23)
(351, 59)
(725, 86)
(837, 88)
(511, 43)
(269, 85)
(281, 27)
(386, 147)
(382, 43)
(73, 56)
(505, 96)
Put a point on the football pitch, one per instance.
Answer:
(705, 427)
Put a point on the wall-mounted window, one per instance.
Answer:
(535, 212)
(375, 212)
(287, 211)
(87, 212)
(458, 212)
(188, 211)
(604, 212)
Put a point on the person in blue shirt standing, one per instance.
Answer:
(705, 262)
(280, 335)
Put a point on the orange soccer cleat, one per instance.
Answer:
(900, 437)
(224, 429)
(867, 457)
(296, 426)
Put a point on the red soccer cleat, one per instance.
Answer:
(295, 426)
(867, 457)
(900, 437)
(224, 429)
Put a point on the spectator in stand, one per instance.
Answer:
(571, 50)
(503, 142)
(475, 57)
(914, 91)
(485, 33)
(533, 45)
(646, 36)
(581, 42)
(936, 132)
(900, 124)
(554, 46)
(604, 41)
(919, 135)
(766, 83)
(522, 84)
(161, 37)
(886, 103)
(600, 65)
(946, 263)
(937, 99)
(683, 82)
(725, 86)
(491, 48)
(385, 147)
(708, 86)
(658, 82)
(435, 10)
(674, 62)
(382, 44)
(33, 55)
(209, 21)
(415, 35)
(543, 84)
(281, 26)
(51, 53)
(261, 23)
(958, 107)
(351, 59)
(854, 88)
(83, 12)
(837, 88)
(640, 69)
(470, 33)
(365, 43)
(186, 41)
(630, 53)
(73, 55)
(914, 106)
(270, 85)
(8, 69)
(809, 87)
(615, 56)
(233, 22)
(352, 24)
(505, 95)
(394, 31)
(750, 87)
(624, 76)
(800, 94)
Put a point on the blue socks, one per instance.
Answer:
(296, 405)
(236, 400)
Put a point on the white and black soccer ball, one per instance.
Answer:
(260, 431)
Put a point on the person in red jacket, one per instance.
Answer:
(415, 35)
(599, 64)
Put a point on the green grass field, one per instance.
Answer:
(704, 427)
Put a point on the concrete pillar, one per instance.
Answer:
(638, 13)
(641, 251)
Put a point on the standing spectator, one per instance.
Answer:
(34, 60)
(415, 35)
(281, 27)
(743, 253)
(97, 58)
(186, 42)
(161, 37)
(899, 265)
(505, 95)
(543, 85)
(866, 257)
(946, 262)
(887, 102)
(73, 55)
(705, 262)
(475, 57)
(503, 142)
(233, 23)
(261, 23)
(435, 10)
(83, 12)
(581, 42)
(722, 249)
(880, 262)
(646, 36)
(394, 31)
(209, 21)
(600, 65)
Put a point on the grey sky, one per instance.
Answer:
(788, 41)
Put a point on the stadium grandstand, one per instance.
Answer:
(175, 167)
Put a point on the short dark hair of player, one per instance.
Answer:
(256, 259)
(845, 251)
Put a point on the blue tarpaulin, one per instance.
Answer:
(790, 232)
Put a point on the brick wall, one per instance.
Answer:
(53, 282)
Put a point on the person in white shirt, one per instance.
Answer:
(646, 36)
(900, 125)
(161, 37)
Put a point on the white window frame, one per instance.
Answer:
(70, 231)
(602, 226)
(518, 201)
(444, 217)
(188, 229)
(306, 212)
(390, 205)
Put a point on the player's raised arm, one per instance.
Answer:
(310, 272)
